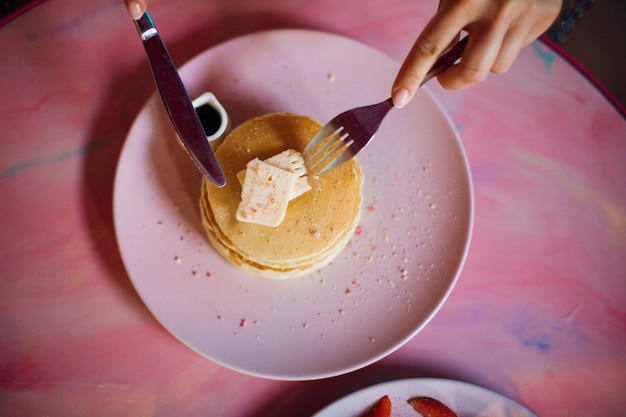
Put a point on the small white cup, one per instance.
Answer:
(215, 120)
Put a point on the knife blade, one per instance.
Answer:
(177, 102)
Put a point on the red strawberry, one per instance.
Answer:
(429, 407)
(382, 408)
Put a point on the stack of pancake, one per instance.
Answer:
(318, 224)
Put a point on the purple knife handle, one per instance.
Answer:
(177, 102)
(446, 60)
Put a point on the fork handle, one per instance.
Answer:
(446, 60)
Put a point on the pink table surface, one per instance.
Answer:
(539, 312)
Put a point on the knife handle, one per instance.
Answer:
(145, 26)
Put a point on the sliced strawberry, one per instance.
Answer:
(429, 407)
(382, 408)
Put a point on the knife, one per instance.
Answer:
(177, 102)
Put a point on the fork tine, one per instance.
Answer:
(327, 145)
(328, 150)
(333, 161)
(330, 147)
(325, 132)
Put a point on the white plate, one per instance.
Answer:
(466, 400)
(377, 294)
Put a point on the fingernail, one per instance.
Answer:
(400, 98)
(134, 9)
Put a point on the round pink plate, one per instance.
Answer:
(382, 289)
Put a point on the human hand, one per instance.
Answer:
(497, 30)
(135, 8)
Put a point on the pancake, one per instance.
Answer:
(317, 225)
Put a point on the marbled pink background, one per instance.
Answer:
(539, 313)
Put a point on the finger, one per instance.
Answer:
(479, 56)
(544, 15)
(136, 8)
(511, 45)
(440, 32)
(521, 34)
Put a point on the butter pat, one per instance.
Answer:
(265, 193)
(293, 162)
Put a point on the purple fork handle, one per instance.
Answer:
(446, 60)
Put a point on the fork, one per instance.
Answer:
(345, 135)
